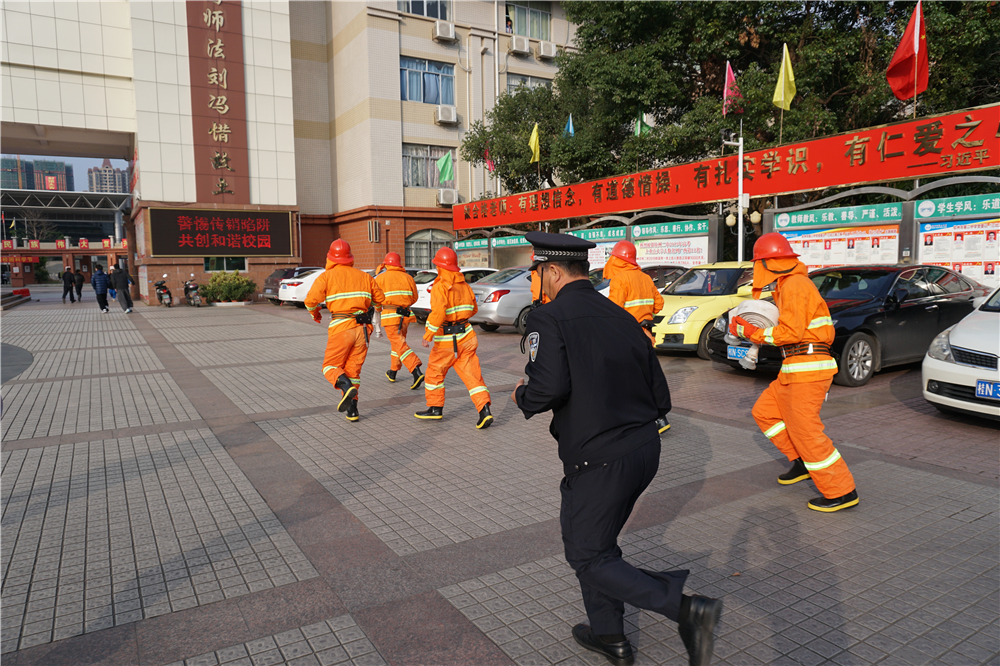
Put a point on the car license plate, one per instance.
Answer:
(284, 286)
(987, 389)
(735, 352)
(269, 291)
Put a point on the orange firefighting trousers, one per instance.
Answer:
(466, 365)
(789, 415)
(401, 352)
(345, 354)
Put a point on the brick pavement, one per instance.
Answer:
(273, 531)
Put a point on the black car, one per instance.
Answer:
(882, 315)
(273, 281)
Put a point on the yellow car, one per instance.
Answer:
(695, 300)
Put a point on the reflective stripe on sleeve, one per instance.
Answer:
(637, 302)
(829, 364)
(774, 430)
(313, 309)
(820, 321)
(769, 335)
(432, 328)
(823, 464)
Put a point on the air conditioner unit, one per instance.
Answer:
(447, 197)
(445, 114)
(520, 45)
(444, 31)
(546, 50)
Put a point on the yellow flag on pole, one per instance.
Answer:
(784, 92)
(536, 153)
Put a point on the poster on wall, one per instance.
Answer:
(846, 246)
(968, 247)
(685, 251)
(144, 281)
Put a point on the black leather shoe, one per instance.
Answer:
(350, 392)
(662, 425)
(485, 418)
(619, 654)
(835, 504)
(697, 629)
(352, 411)
(797, 473)
(418, 378)
(391, 374)
(431, 413)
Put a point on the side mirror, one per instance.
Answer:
(745, 290)
(896, 298)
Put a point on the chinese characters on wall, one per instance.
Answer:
(178, 232)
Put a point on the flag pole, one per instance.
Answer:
(781, 126)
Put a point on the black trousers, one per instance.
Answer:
(102, 301)
(68, 289)
(124, 299)
(595, 506)
(79, 292)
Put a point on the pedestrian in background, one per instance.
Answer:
(79, 279)
(590, 363)
(99, 281)
(69, 283)
(120, 282)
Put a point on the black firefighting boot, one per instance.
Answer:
(432, 413)
(418, 378)
(485, 418)
(662, 425)
(797, 473)
(391, 374)
(350, 392)
(352, 411)
(835, 504)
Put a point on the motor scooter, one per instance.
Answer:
(162, 292)
(191, 294)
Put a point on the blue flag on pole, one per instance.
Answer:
(569, 127)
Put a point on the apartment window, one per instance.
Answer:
(213, 264)
(423, 245)
(529, 19)
(516, 80)
(426, 81)
(439, 9)
(420, 166)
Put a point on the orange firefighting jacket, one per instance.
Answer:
(536, 289)
(400, 291)
(451, 300)
(632, 289)
(346, 292)
(803, 318)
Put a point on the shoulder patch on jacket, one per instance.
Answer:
(533, 344)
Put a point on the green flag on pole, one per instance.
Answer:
(640, 124)
(446, 171)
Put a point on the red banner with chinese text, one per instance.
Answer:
(958, 142)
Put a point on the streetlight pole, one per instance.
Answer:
(739, 202)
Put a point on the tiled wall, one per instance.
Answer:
(68, 64)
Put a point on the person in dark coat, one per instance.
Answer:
(591, 364)
(99, 281)
(79, 280)
(120, 282)
(69, 282)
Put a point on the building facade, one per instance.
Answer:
(107, 178)
(274, 127)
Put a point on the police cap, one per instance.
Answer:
(557, 247)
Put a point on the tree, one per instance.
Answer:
(36, 225)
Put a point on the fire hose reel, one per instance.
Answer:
(762, 314)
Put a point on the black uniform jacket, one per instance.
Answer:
(592, 365)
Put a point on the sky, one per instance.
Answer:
(80, 166)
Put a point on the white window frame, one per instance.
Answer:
(531, 19)
(514, 82)
(208, 264)
(413, 72)
(423, 8)
(420, 165)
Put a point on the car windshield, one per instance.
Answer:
(506, 275)
(424, 277)
(704, 282)
(992, 304)
(852, 284)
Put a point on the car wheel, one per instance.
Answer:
(298, 304)
(857, 362)
(521, 323)
(489, 327)
(274, 301)
(703, 341)
(420, 320)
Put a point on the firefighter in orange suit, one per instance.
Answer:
(634, 290)
(455, 343)
(348, 294)
(788, 410)
(400, 293)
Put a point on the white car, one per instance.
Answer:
(425, 279)
(960, 369)
(295, 290)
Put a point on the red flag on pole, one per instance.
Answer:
(490, 164)
(730, 93)
(909, 67)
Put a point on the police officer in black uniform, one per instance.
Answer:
(591, 364)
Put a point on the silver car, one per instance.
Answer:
(504, 299)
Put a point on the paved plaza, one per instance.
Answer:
(178, 488)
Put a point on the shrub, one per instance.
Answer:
(228, 287)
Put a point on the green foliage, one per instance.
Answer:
(225, 286)
(668, 59)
